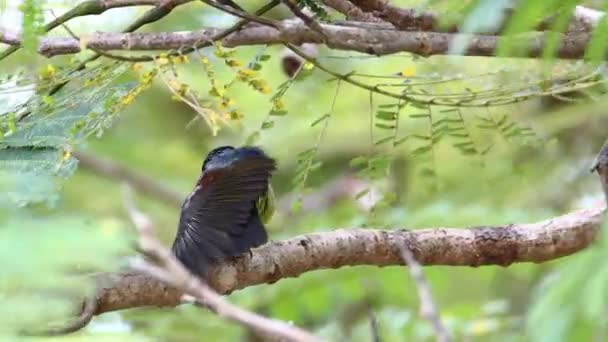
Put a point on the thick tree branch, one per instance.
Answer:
(94, 7)
(366, 40)
(583, 19)
(351, 12)
(501, 245)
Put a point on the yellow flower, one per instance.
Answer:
(47, 72)
(408, 72)
(278, 104)
(266, 89)
(180, 59)
(66, 155)
(246, 73)
(308, 66)
(162, 61)
(233, 63)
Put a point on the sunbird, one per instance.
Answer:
(224, 215)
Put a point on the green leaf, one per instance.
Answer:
(306, 154)
(362, 193)
(598, 44)
(384, 126)
(560, 25)
(420, 137)
(383, 140)
(388, 105)
(53, 127)
(386, 115)
(400, 141)
(422, 150)
(526, 16)
(296, 206)
(420, 116)
(358, 161)
(319, 120)
(267, 124)
(278, 112)
(253, 138)
(315, 166)
(33, 22)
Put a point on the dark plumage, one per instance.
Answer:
(220, 219)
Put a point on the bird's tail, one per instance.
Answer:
(198, 253)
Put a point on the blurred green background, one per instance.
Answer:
(519, 178)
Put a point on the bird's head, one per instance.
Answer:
(227, 156)
(219, 156)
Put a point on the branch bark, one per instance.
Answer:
(583, 19)
(376, 41)
(500, 245)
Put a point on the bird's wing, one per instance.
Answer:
(220, 218)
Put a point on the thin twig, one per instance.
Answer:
(168, 269)
(139, 181)
(373, 324)
(428, 309)
(307, 19)
(241, 14)
(601, 167)
(87, 313)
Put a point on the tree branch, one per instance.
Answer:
(377, 41)
(500, 245)
(139, 181)
(351, 12)
(583, 20)
(91, 7)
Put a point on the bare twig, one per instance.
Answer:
(601, 167)
(373, 324)
(241, 14)
(428, 309)
(89, 307)
(139, 181)
(307, 19)
(87, 312)
(168, 269)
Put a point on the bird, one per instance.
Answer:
(224, 216)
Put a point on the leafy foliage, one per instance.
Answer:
(39, 134)
(33, 21)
